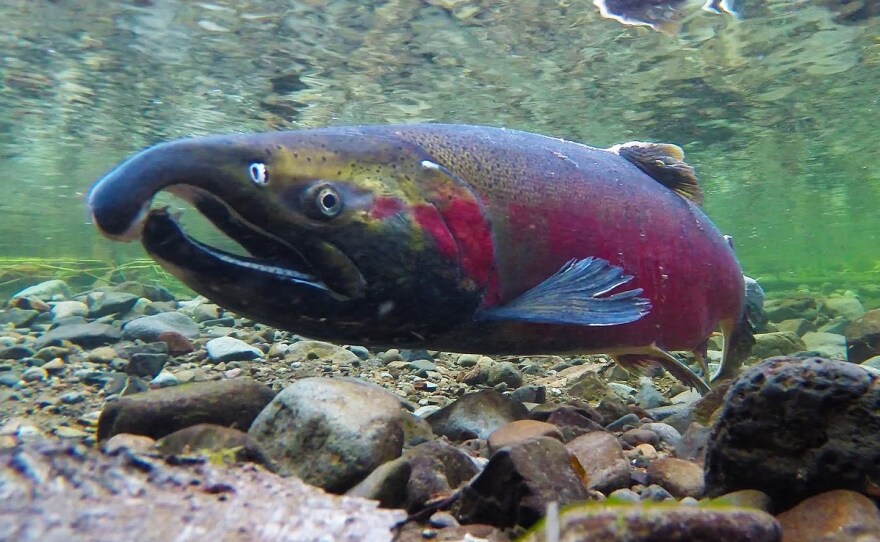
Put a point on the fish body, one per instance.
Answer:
(450, 237)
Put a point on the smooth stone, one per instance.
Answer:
(360, 351)
(476, 415)
(601, 456)
(574, 421)
(845, 306)
(648, 396)
(149, 328)
(873, 363)
(50, 290)
(468, 360)
(829, 345)
(226, 349)
(530, 394)
(835, 325)
(146, 291)
(421, 367)
(656, 493)
(72, 398)
(48, 353)
(10, 379)
(16, 352)
(504, 372)
(232, 403)
(69, 309)
(164, 379)
(625, 495)
(693, 443)
(794, 428)
(634, 437)
(386, 484)
(35, 374)
(19, 318)
(778, 343)
(217, 441)
(746, 498)
(108, 303)
(330, 433)
(680, 477)
(312, 351)
(627, 393)
(621, 423)
(834, 516)
(176, 343)
(668, 434)
(70, 432)
(589, 387)
(518, 484)
(54, 366)
(436, 468)
(628, 522)
(146, 364)
(86, 335)
(102, 354)
(138, 444)
(519, 431)
(798, 326)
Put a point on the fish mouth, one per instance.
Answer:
(317, 265)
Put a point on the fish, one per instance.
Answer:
(660, 15)
(452, 237)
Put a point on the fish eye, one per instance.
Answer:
(258, 173)
(328, 201)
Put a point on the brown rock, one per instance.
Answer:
(224, 443)
(679, 477)
(601, 456)
(437, 469)
(476, 415)
(634, 437)
(834, 516)
(519, 431)
(138, 444)
(386, 484)
(231, 403)
(177, 343)
(519, 482)
(573, 422)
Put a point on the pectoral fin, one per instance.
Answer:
(576, 295)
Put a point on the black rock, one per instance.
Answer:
(89, 335)
(146, 365)
(794, 428)
(107, 303)
(530, 394)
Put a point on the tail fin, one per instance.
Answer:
(739, 336)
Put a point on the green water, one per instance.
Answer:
(779, 111)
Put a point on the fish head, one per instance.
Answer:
(350, 235)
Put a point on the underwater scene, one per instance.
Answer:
(536, 270)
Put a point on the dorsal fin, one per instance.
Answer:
(664, 162)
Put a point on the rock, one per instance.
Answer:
(798, 326)
(107, 303)
(835, 325)
(164, 379)
(50, 290)
(216, 441)
(436, 468)
(126, 441)
(177, 344)
(834, 516)
(86, 335)
(873, 363)
(589, 387)
(476, 415)
(796, 427)
(629, 420)
(19, 318)
(386, 484)
(634, 437)
(778, 310)
(35, 374)
(830, 345)
(10, 379)
(519, 482)
(693, 443)
(681, 478)
(505, 372)
(468, 360)
(231, 403)
(627, 522)
(648, 396)
(519, 431)
(72, 398)
(330, 432)
(610, 409)
(146, 365)
(361, 352)
(16, 352)
(149, 328)
(863, 337)
(746, 498)
(574, 421)
(146, 291)
(845, 306)
(601, 456)
(777, 343)
(311, 351)
(414, 532)
(226, 349)
(421, 367)
(530, 394)
(668, 434)
(69, 432)
(102, 354)
(68, 309)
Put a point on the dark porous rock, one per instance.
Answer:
(107, 303)
(216, 441)
(679, 477)
(149, 328)
(18, 317)
(601, 456)
(386, 484)
(330, 433)
(650, 522)
(863, 337)
(55, 491)
(231, 403)
(834, 516)
(437, 468)
(634, 437)
(573, 422)
(476, 415)
(796, 427)
(89, 335)
(146, 365)
(519, 431)
(519, 482)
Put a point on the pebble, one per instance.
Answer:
(149, 328)
(519, 431)
(476, 415)
(72, 398)
(86, 335)
(70, 432)
(668, 435)
(601, 456)
(504, 373)
(50, 290)
(10, 379)
(226, 349)
(833, 516)
(35, 374)
(680, 477)
(629, 420)
(164, 379)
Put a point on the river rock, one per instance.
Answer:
(312, 351)
(778, 343)
(626, 522)
(226, 349)
(829, 345)
(330, 432)
(601, 456)
(231, 403)
(834, 516)
(476, 415)
(436, 468)
(215, 441)
(386, 484)
(681, 478)
(89, 335)
(863, 337)
(845, 306)
(519, 431)
(519, 482)
(50, 290)
(68, 309)
(19, 318)
(149, 328)
(504, 372)
(107, 303)
(796, 427)
(799, 326)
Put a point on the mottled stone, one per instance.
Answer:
(330, 432)
(680, 477)
(50, 290)
(231, 403)
(476, 415)
(634, 437)
(519, 482)
(519, 431)
(845, 306)
(834, 516)
(627, 522)
(312, 351)
(215, 441)
(796, 427)
(68, 309)
(601, 456)
(505, 372)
